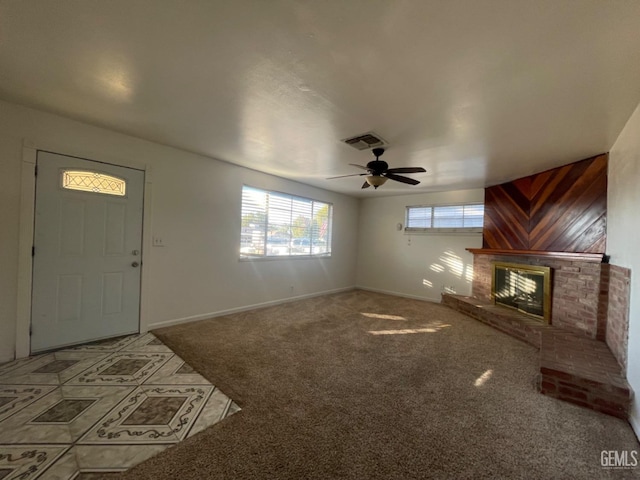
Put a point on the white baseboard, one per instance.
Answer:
(399, 294)
(204, 316)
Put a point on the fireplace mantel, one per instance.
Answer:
(585, 257)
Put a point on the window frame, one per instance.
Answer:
(68, 171)
(290, 226)
(442, 230)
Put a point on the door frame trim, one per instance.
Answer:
(25, 239)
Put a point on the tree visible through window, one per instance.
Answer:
(277, 224)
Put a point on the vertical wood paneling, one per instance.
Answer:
(560, 210)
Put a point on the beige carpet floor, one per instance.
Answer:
(361, 386)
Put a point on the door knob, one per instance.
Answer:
(135, 264)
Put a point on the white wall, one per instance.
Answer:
(623, 232)
(9, 216)
(413, 265)
(193, 203)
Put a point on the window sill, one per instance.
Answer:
(443, 231)
(283, 257)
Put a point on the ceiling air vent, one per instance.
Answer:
(365, 141)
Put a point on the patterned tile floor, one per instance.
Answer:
(99, 408)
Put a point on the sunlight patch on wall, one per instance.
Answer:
(482, 379)
(453, 262)
(382, 317)
(468, 275)
(427, 283)
(436, 267)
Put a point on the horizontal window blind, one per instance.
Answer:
(445, 217)
(276, 224)
(419, 217)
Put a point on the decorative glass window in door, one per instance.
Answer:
(95, 182)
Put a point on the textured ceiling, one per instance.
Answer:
(478, 92)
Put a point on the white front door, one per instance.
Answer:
(87, 251)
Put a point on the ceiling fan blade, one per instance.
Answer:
(406, 170)
(365, 185)
(350, 175)
(359, 166)
(400, 178)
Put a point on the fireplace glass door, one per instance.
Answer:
(523, 287)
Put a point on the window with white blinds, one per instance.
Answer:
(280, 225)
(445, 218)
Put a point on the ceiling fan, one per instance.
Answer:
(378, 171)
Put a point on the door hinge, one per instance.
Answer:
(30, 330)
(33, 251)
(35, 171)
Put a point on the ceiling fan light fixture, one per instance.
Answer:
(375, 180)
(378, 172)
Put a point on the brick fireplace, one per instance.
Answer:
(557, 219)
(579, 286)
(588, 296)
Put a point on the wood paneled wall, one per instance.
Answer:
(560, 210)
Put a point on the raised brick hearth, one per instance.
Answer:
(578, 292)
(573, 367)
(557, 219)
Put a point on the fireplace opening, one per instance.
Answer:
(526, 288)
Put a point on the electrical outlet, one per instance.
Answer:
(157, 241)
